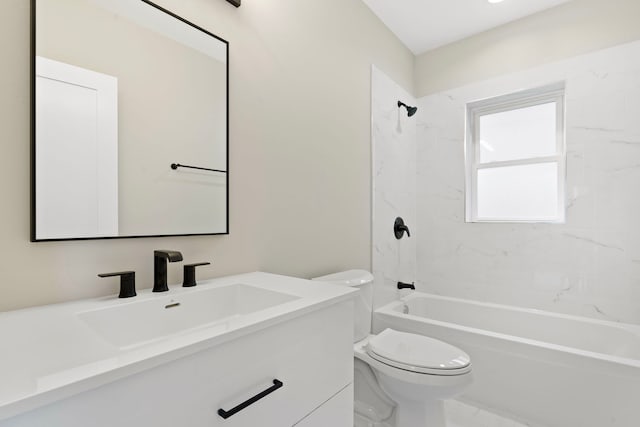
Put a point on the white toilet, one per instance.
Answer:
(410, 373)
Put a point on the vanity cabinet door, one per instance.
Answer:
(312, 355)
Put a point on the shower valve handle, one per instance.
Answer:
(399, 228)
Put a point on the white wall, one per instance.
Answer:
(300, 151)
(574, 28)
(588, 266)
(393, 140)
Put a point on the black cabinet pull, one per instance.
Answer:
(226, 414)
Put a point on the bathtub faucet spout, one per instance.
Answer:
(407, 285)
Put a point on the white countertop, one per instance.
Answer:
(48, 353)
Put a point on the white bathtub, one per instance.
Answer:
(543, 368)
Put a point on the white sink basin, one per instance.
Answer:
(137, 322)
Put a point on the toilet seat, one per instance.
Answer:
(417, 353)
(408, 376)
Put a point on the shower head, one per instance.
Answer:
(410, 110)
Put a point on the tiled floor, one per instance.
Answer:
(463, 415)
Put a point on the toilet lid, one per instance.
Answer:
(418, 353)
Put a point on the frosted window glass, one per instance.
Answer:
(518, 134)
(526, 192)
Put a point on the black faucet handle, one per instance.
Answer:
(399, 228)
(190, 274)
(127, 282)
(411, 285)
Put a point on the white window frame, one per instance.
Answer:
(528, 98)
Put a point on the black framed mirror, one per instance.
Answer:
(129, 122)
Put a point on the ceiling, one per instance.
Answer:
(423, 25)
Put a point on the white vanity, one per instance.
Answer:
(178, 358)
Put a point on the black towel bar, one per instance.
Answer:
(175, 166)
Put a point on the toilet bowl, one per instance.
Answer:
(401, 379)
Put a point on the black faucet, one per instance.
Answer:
(160, 258)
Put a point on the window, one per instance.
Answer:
(515, 157)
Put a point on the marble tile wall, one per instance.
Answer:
(590, 265)
(394, 186)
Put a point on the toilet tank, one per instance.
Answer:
(363, 280)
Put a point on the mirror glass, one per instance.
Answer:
(130, 122)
